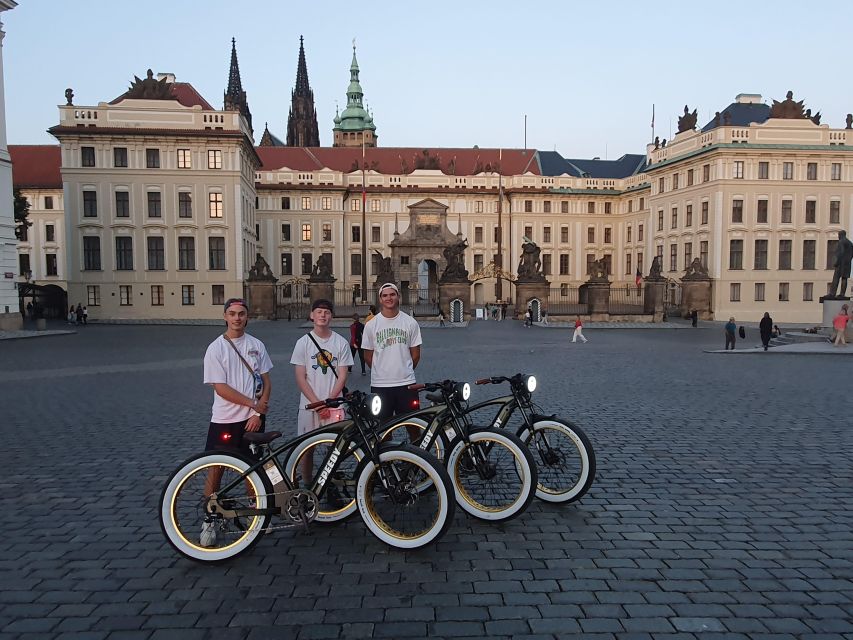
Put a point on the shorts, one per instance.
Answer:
(396, 400)
(229, 437)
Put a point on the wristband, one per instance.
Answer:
(255, 413)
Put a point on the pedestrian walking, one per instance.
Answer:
(78, 313)
(441, 318)
(694, 318)
(839, 323)
(85, 314)
(545, 317)
(730, 329)
(578, 331)
(528, 317)
(356, 333)
(72, 315)
(765, 328)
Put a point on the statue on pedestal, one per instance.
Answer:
(843, 257)
(384, 270)
(696, 271)
(598, 271)
(455, 271)
(530, 262)
(322, 271)
(655, 269)
(261, 271)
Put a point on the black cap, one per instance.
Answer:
(322, 303)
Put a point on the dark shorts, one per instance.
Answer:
(396, 400)
(229, 437)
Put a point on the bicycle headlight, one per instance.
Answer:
(375, 405)
(531, 384)
(464, 390)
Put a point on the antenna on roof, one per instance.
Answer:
(525, 132)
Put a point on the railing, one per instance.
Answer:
(348, 300)
(626, 300)
(565, 301)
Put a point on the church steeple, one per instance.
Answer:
(235, 97)
(302, 130)
(354, 127)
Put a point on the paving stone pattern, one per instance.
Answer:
(723, 505)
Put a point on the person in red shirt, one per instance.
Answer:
(839, 323)
(356, 331)
(578, 330)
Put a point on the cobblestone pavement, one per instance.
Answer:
(722, 508)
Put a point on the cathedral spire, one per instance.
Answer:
(354, 127)
(302, 130)
(235, 97)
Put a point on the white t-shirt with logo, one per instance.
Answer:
(390, 340)
(318, 372)
(222, 365)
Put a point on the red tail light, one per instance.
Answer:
(416, 404)
(225, 436)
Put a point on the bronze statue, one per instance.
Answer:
(598, 270)
(455, 271)
(816, 118)
(69, 97)
(655, 269)
(530, 264)
(717, 117)
(843, 257)
(657, 143)
(261, 270)
(696, 271)
(384, 270)
(663, 144)
(687, 122)
(788, 108)
(849, 121)
(150, 89)
(322, 270)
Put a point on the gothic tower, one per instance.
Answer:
(354, 126)
(302, 128)
(235, 97)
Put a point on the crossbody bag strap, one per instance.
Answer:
(320, 353)
(239, 355)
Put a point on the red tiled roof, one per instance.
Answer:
(184, 93)
(400, 160)
(36, 165)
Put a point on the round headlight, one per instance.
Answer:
(376, 405)
(466, 391)
(531, 383)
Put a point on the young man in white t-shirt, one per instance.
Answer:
(392, 349)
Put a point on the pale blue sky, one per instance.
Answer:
(442, 73)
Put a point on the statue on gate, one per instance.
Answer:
(530, 262)
(455, 270)
(655, 270)
(696, 271)
(384, 270)
(261, 271)
(598, 270)
(322, 271)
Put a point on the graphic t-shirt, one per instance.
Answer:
(317, 370)
(390, 340)
(222, 365)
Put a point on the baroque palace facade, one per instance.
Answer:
(159, 203)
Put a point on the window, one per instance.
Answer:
(660, 219)
(306, 203)
(528, 231)
(784, 288)
(608, 207)
(326, 203)
(640, 261)
(87, 156)
(608, 235)
(356, 233)
(590, 207)
(759, 292)
(327, 232)
(546, 264)
(478, 235)
(124, 253)
(590, 258)
(787, 207)
(703, 253)
(674, 181)
(478, 262)
(478, 206)
(785, 254)
(375, 205)
(564, 234)
(120, 157)
(90, 204)
(706, 172)
(122, 204)
(24, 264)
(154, 205)
(216, 251)
(642, 203)
(810, 211)
(639, 233)
(257, 231)
(763, 173)
(285, 203)
(660, 185)
(738, 172)
(564, 264)
(375, 235)
(217, 294)
(214, 205)
(404, 260)
(528, 206)
(761, 212)
(546, 234)
(688, 254)
(355, 205)
(497, 234)
(690, 177)
(214, 159)
(286, 264)
(152, 158)
(186, 254)
(629, 233)
(185, 205)
(50, 263)
(91, 253)
(157, 295)
(688, 215)
(355, 264)
(787, 171)
(184, 159)
(125, 295)
(704, 214)
(761, 254)
(811, 171)
(564, 206)
(737, 211)
(156, 253)
(673, 257)
(627, 264)
(93, 295)
(734, 292)
(674, 218)
(736, 254)
(590, 234)
(307, 262)
(48, 202)
(49, 233)
(809, 254)
(830, 253)
(834, 211)
(630, 206)
(187, 295)
(836, 171)
(546, 206)
(808, 291)
(564, 289)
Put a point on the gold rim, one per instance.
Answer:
(464, 493)
(321, 513)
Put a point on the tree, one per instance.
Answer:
(22, 210)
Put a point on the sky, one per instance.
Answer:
(442, 74)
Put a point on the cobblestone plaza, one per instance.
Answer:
(722, 507)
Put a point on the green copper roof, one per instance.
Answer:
(355, 117)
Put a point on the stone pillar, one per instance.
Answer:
(448, 291)
(261, 299)
(527, 290)
(696, 294)
(321, 290)
(598, 300)
(653, 298)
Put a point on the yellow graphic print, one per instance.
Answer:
(324, 361)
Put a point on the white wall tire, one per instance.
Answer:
(567, 472)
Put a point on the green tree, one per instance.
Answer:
(22, 210)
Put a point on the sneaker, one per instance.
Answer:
(208, 534)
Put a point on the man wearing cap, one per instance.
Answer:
(392, 349)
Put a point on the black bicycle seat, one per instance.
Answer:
(254, 437)
(437, 398)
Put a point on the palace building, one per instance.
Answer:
(161, 204)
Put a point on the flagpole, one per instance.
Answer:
(363, 227)
(500, 259)
(653, 122)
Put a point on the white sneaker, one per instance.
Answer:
(208, 534)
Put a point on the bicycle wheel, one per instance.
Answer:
(183, 499)
(494, 474)
(564, 459)
(338, 500)
(402, 432)
(399, 514)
